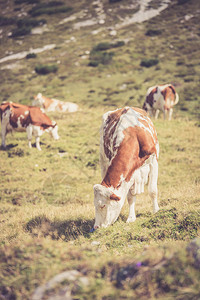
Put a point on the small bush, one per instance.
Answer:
(46, 69)
(31, 55)
(102, 46)
(6, 21)
(30, 22)
(50, 8)
(99, 57)
(21, 31)
(149, 62)
(114, 1)
(180, 2)
(27, 1)
(153, 32)
(105, 46)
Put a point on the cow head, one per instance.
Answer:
(38, 100)
(54, 130)
(107, 206)
(145, 106)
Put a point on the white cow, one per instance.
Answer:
(49, 104)
(161, 97)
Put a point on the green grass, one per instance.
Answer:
(46, 197)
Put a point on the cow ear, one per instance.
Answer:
(114, 197)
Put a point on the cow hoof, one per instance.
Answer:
(130, 220)
(156, 210)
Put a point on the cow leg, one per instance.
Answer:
(37, 139)
(29, 131)
(152, 185)
(170, 113)
(3, 136)
(157, 113)
(131, 201)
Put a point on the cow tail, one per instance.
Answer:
(176, 99)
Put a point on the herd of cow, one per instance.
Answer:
(129, 147)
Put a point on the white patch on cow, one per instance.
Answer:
(19, 124)
(107, 211)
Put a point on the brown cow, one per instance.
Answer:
(129, 159)
(161, 97)
(18, 117)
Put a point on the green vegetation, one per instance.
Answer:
(46, 197)
(21, 31)
(4, 21)
(26, 1)
(153, 32)
(31, 55)
(149, 62)
(53, 7)
(46, 69)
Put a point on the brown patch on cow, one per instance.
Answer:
(60, 106)
(150, 97)
(136, 147)
(169, 96)
(111, 124)
(47, 102)
(38, 118)
(114, 197)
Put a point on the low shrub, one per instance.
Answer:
(26, 1)
(4, 21)
(149, 62)
(99, 57)
(153, 32)
(30, 22)
(114, 1)
(106, 45)
(46, 69)
(21, 31)
(180, 2)
(31, 55)
(50, 8)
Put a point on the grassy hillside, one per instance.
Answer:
(46, 197)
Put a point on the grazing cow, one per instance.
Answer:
(129, 152)
(53, 104)
(161, 97)
(31, 119)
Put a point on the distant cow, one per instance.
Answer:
(31, 119)
(129, 152)
(161, 97)
(49, 104)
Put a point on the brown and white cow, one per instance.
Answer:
(18, 117)
(161, 97)
(49, 104)
(129, 152)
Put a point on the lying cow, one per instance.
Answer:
(49, 104)
(129, 152)
(31, 119)
(161, 97)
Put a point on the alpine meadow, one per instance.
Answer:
(101, 55)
